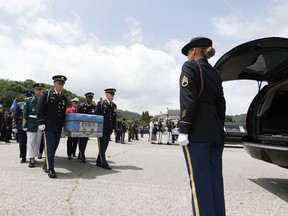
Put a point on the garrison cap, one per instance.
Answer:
(38, 85)
(196, 42)
(59, 78)
(75, 100)
(89, 94)
(28, 93)
(110, 90)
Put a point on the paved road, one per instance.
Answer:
(146, 180)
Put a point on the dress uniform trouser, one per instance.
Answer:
(41, 149)
(123, 137)
(51, 145)
(204, 164)
(71, 145)
(22, 143)
(33, 143)
(82, 146)
(102, 146)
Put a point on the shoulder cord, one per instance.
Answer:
(201, 79)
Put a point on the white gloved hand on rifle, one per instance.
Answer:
(41, 127)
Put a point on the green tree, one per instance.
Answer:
(228, 118)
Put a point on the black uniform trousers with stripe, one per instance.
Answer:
(51, 145)
(204, 164)
(102, 147)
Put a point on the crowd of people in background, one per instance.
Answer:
(6, 121)
(159, 131)
(159, 128)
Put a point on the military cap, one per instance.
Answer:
(1, 106)
(27, 93)
(110, 90)
(196, 42)
(89, 94)
(75, 100)
(38, 85)
(59, 78)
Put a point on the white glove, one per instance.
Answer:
(183, 139)
(24, 129)
(15, 130)
(41, 127)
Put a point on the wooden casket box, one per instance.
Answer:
(83, 125)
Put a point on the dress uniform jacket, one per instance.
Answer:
(29, 115)
(51, 110)
(86, 108)
(109, 112)
(18, 114)
(209, 107)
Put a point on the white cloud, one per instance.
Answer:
(19, 6)
(237, 26)
(145, 79)
(239, 95)
(135, 32)
(59, 31)
(5, 29)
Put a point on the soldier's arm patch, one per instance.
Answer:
(184, 81)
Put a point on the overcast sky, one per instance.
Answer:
(131, 45)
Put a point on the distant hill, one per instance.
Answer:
(239, 118)
(128, 115)
(9, 90)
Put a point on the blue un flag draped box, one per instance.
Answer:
(83, 125)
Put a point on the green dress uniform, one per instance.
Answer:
(29, 115)
(30, 125)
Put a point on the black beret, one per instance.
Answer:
(196, 42)
(89, 94)
(38, 85)
(110, 90)
(59, 78)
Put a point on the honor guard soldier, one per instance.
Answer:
(18, 121)
(86, 108)
(51, 111)
(30, 125)
(72, 141)
(201, 127)
(108, 110)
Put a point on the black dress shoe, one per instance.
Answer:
(52, 173)
(23, 160)
(98, 164)
(31, 165)
(107, 167)
(69, 158)
(74, 155)
(34, 161)
(83, 160)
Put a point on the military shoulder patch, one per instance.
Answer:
(184, 81)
